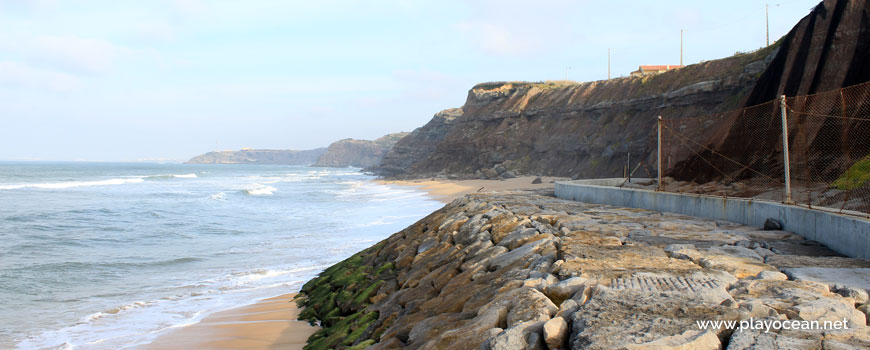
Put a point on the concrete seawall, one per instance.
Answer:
(847, 235)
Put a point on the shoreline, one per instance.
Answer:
(267, 324)
(273, 322)
(445, 191)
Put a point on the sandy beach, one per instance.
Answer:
(269, 324)
(448, 190)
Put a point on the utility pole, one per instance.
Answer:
(767, 22)
(608, 63)
(681, 46)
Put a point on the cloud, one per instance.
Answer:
(74, 54)
(18, 75)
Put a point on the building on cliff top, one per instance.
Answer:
(650, 70)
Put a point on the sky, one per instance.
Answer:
(164, 80)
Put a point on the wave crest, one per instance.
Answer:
(72, 184)
(259, 190)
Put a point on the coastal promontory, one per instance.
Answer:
(358, 153)
(259, 156)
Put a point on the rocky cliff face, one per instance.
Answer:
(259, 156)
(529, 271)
(358, 153)
(569, 129)
(828, 49)
(419, 144)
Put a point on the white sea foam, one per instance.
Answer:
(71, 184)
(218, 196)
(144, 321)
(265, 238)
(259, 190)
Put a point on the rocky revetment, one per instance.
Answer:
(526, 270)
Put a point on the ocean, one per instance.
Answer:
(112, 255)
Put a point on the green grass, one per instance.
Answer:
(856, 176)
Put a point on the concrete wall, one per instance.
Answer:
(847, 235)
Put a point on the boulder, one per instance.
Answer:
(758, 339)
(772, 224)
(518, 337)
(690, 339)
(537, 180)
(556, 333)
(530, 305)
(866, 310)
(522, 254)
(771, 275)
(565, 289)
(567, 308)
(490, 173)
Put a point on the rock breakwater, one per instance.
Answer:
(529, 271)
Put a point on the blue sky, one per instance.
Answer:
(135, 80)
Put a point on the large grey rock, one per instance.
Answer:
(772, 224)
(518, 237)
(484, 256)
(518, 337)
(758, 339)
(480, 329)
(565, 289)
(691, 339)
(856, 278)
(490, 173)
(623, 318)
(828, 309)
(555, 333)
(524, 253)
(771, 275)
(567, 308)
(530, 305)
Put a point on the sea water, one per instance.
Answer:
(112, 255)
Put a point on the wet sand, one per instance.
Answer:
(269, 324)
(448, 190)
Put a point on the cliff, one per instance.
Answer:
(828, 49)
(529, 271)
(358, 153)
(259, 156)
(569, 129)
(419, 144)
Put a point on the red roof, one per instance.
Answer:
(661, 67)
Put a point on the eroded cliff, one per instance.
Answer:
(828, 49)
(569, 129)
(358, 153)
